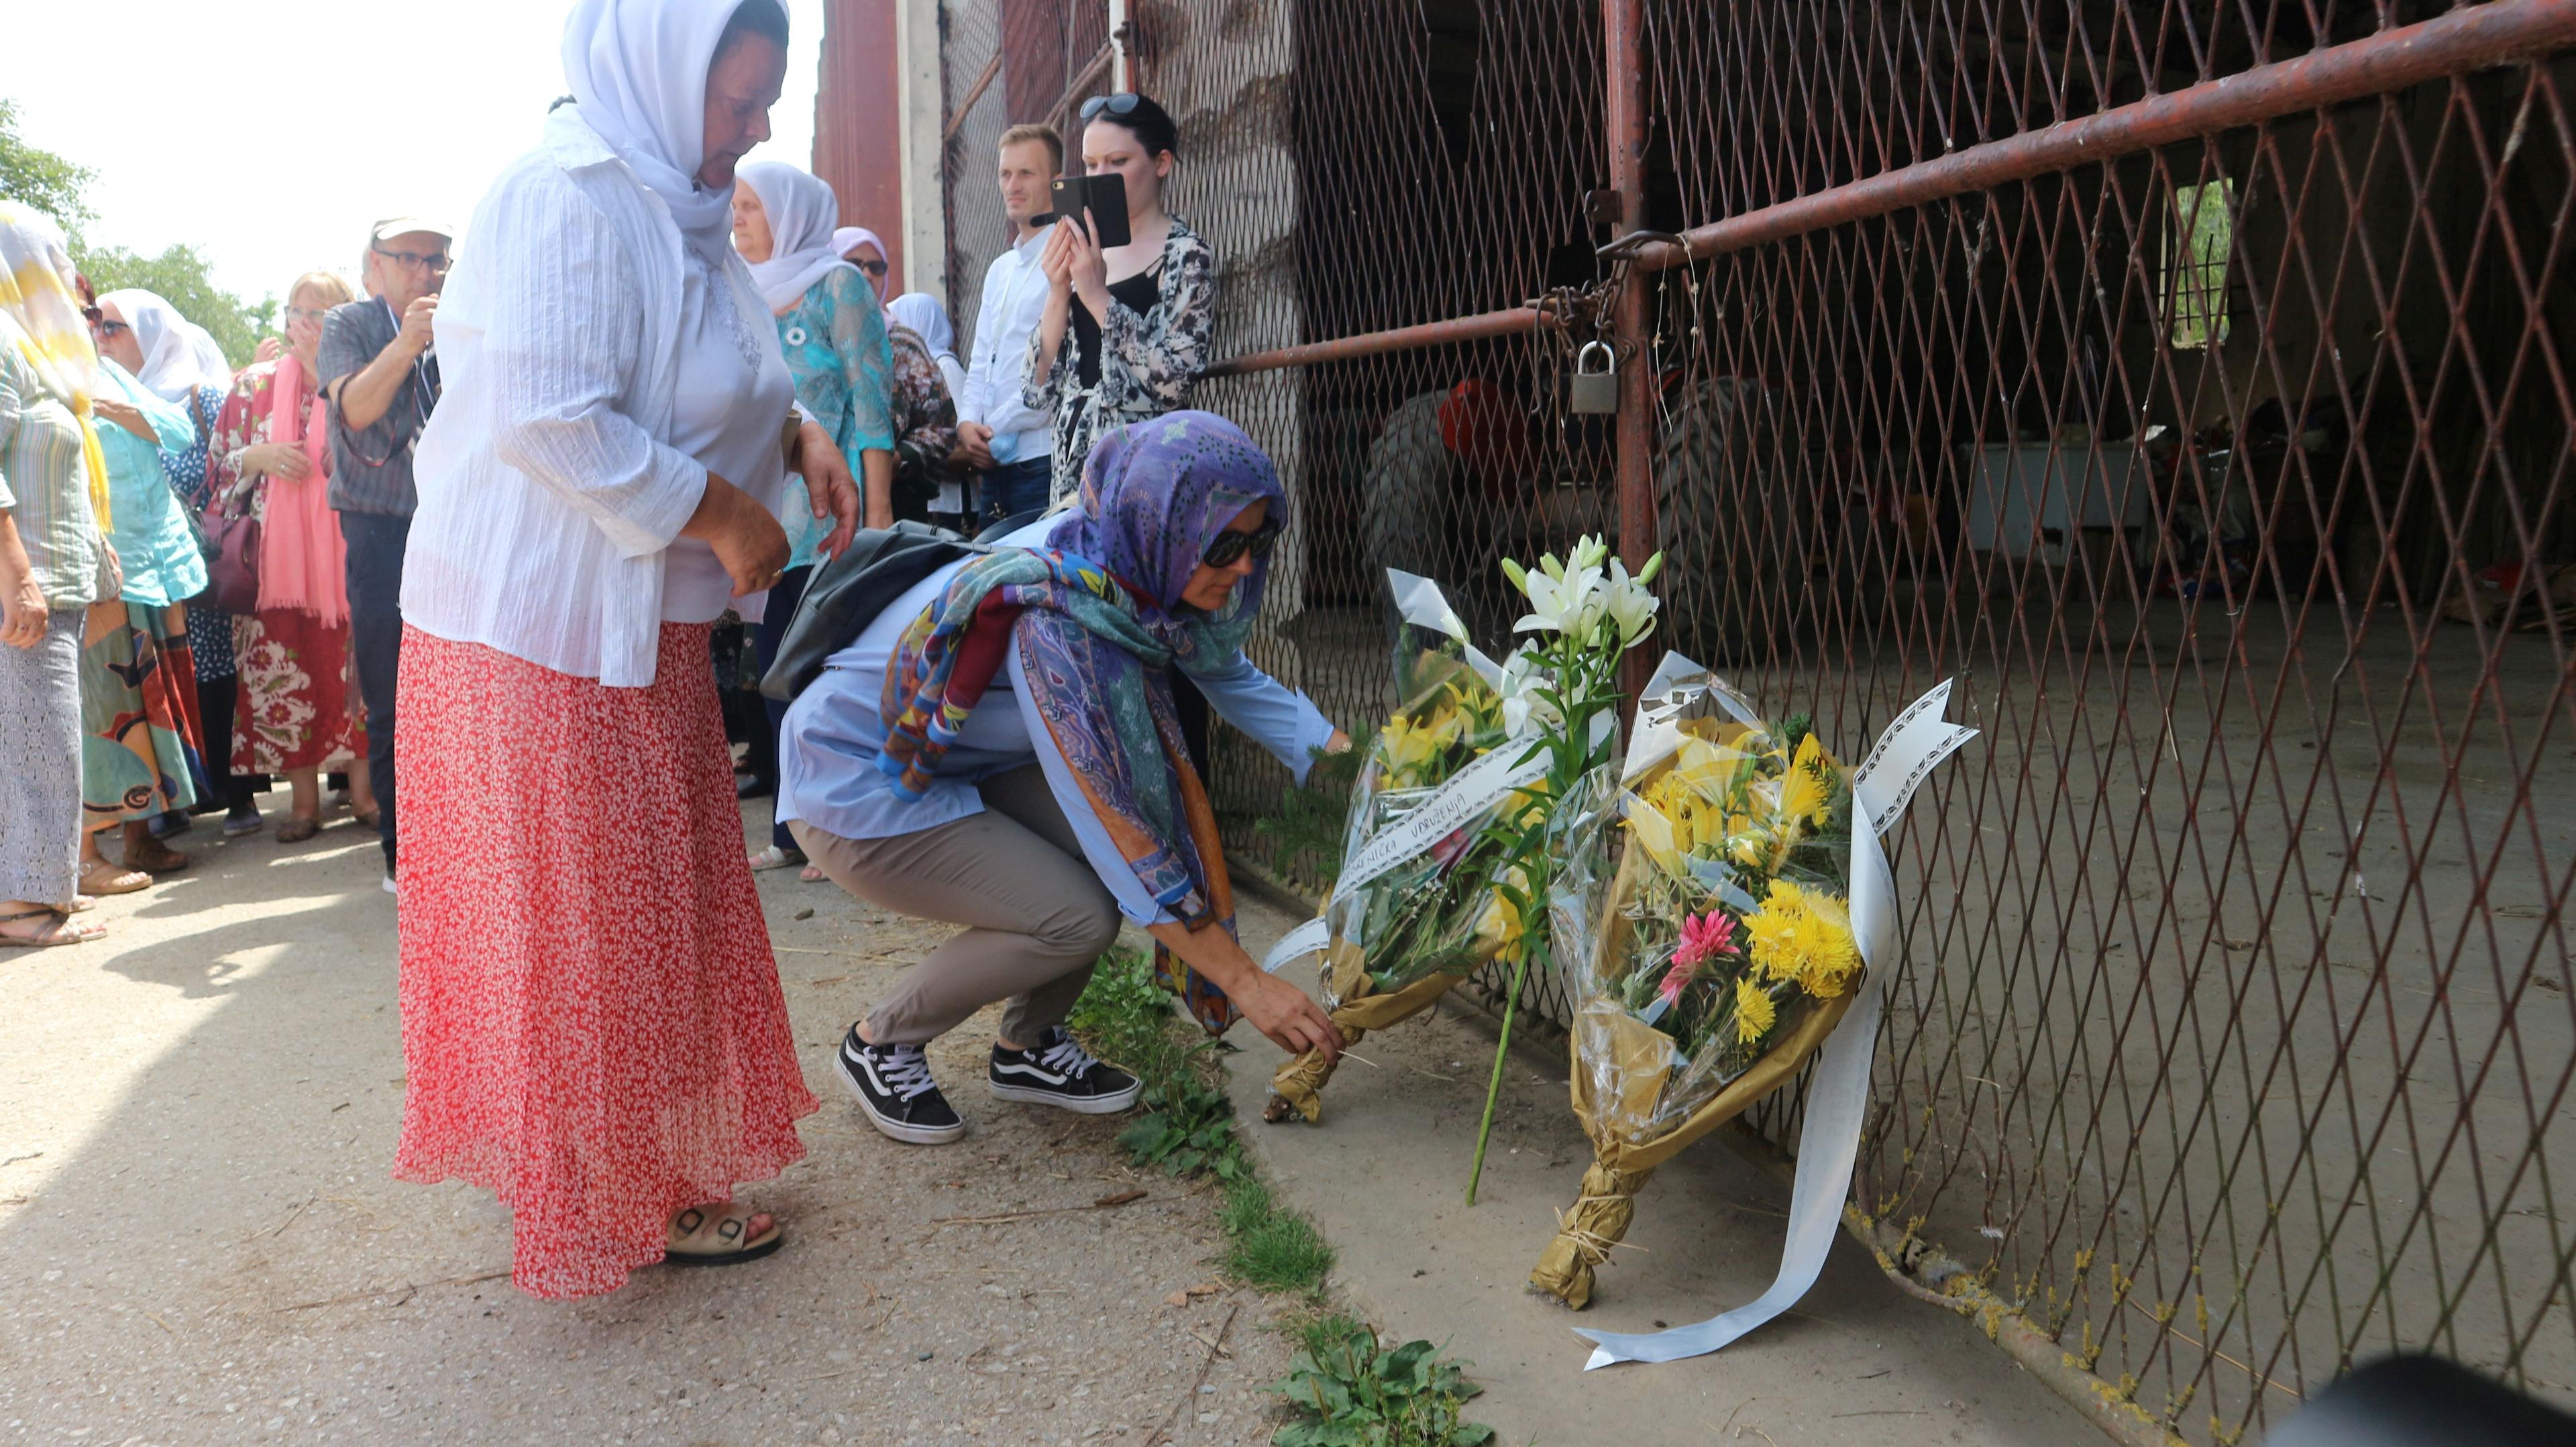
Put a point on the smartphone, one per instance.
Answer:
(1106, 196)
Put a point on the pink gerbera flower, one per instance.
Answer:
(1703, 938)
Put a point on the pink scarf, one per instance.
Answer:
(303, 562)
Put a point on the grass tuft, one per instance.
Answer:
(1343, 1387)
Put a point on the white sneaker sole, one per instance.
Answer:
(917, 1135)
(1078, 1104)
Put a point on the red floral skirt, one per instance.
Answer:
(592, 1022)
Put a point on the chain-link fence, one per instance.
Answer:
(2189, 379)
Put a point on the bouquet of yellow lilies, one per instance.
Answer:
(1411, 914)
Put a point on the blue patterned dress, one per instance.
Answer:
(210, 629)
(835, 341)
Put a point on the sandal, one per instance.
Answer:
(81, 904)
(726, 1235)
(100, 877)
(810, 873)
(774, 857)
(57, 930)
(298, 829)
(154, 857)
(367, 817)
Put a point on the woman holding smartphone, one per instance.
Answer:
(1125, 330)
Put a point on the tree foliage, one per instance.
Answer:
(59, 186)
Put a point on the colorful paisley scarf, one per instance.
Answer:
(1099, 621)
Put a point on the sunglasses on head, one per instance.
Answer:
(92, 315)
(1229, 547)
(1122, 104)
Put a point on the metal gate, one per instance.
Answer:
(2188, 378)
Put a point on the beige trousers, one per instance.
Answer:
(1036, 915)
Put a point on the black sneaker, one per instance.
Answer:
(1059, 1072)
(892, 1084)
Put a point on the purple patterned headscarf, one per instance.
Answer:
(1153, 494)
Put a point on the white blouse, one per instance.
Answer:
(589, 390)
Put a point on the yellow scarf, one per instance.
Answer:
(41, 320)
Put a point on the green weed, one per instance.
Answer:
(1357, 1394)
(1353, 1392)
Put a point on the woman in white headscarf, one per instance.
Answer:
(834, 337)
(178, 361)
(920, 315)
(865, 250)
(592, 1021)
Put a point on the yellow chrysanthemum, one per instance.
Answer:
(1829, 956)
(1754, 1012)
(1772, 931)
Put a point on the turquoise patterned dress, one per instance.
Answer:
(835, 341)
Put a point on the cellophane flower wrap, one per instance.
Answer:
(1428, 918)
(1704, 914)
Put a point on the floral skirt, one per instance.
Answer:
(298, 705)
(591, 1016)
(139, 719)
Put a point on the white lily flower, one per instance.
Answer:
(1628, 605)
(1567, 601)
(1523, 706)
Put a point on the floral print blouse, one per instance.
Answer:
(925, 424)
(1148, 363)
(835, 341)
(210, 630)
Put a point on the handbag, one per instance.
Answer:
(232, 562)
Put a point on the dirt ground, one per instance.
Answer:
(200, 1243)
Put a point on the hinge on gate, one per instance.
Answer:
(1604, 208)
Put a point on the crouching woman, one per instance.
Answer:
(999, 750)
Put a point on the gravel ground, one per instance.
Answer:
(202, 1244)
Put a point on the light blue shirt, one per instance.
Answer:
(153, 541)
(828, 747)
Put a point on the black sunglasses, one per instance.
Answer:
(92, 315)
(1228, 547)
(1121, 104)
(872, 268)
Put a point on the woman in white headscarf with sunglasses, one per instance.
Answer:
(592, 1021)
(833, 335)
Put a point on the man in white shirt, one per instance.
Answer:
(1006, 444)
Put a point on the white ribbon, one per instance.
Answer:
(1838, 1090)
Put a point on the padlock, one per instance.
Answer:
(1594, 393)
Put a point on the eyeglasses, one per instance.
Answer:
(307, 314)
(414, 261)
(872, 268)
(1121, 104)
(108, 330)
(1229, 547)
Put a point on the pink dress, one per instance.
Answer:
(592, 1021)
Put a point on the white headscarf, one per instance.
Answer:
(802, 212)
(179, 357)
(922, 312)
(637, 70)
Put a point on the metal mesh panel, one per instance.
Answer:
(2222, 457)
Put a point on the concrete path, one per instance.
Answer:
(1386, 1174)
(199, 1243)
